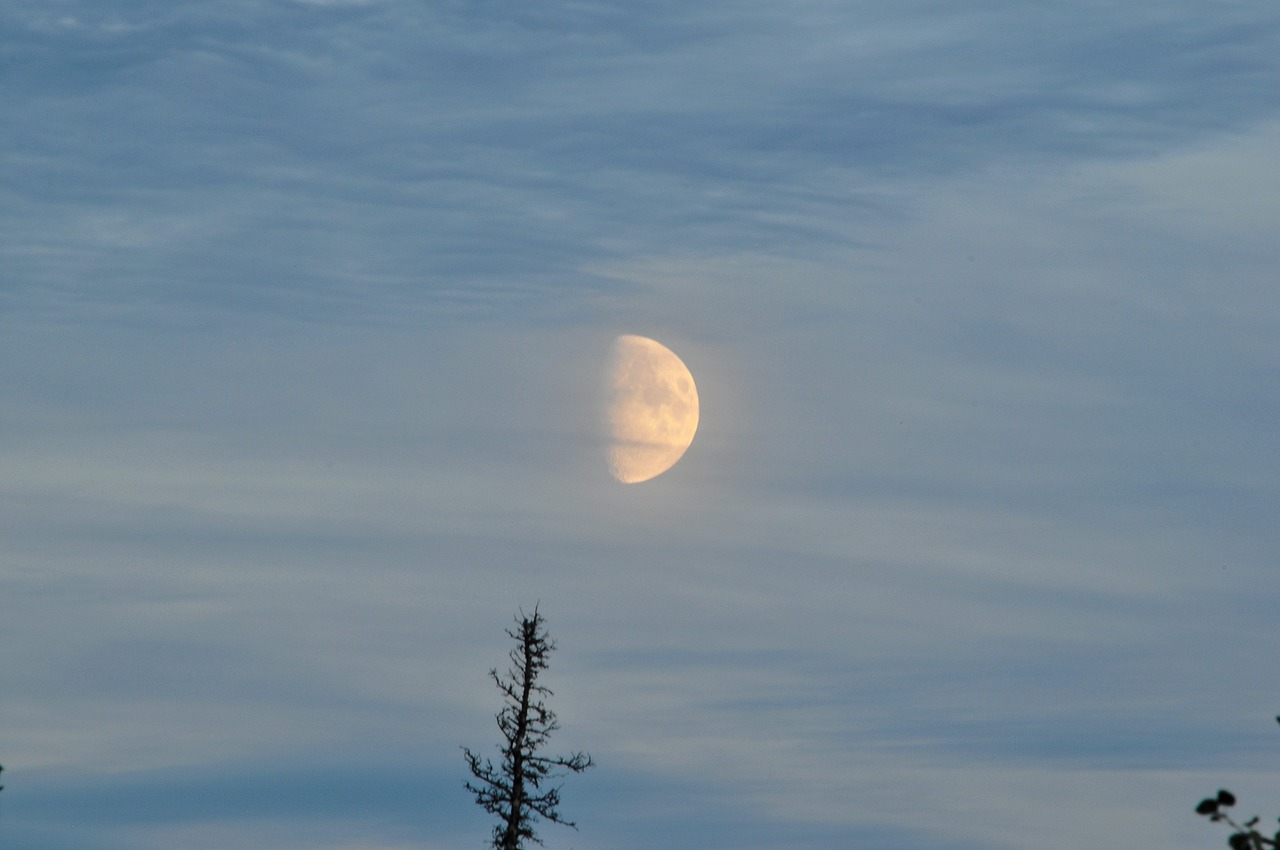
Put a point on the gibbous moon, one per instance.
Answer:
(653, 412)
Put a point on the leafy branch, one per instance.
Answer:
(1246, 835)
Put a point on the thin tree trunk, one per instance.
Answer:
(511, 839)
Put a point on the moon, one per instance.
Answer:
(653, 411)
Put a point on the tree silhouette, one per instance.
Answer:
(513, 789)
(1246, 835)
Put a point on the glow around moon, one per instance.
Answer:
(653, 413)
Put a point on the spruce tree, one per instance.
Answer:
(517, 789)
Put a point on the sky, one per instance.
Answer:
(305, 307)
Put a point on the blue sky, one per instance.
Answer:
(304, 311)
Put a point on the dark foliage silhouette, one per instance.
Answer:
(514, 788)
(1246, 835)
